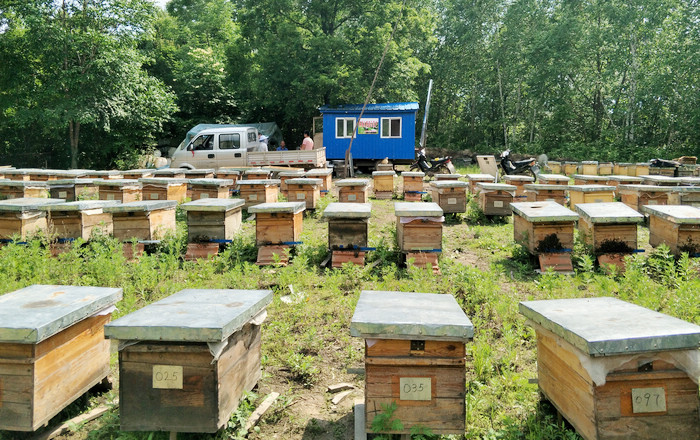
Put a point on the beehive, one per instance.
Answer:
(147, 220)
(533, 222)
(52, 350)
(213, 219)
(73, 189)
(17, 189)
(383, 184)
(642, 169)
(537, 192)
(413, 189)
(122, 190)
(495, 198)
(186, 360)
(23, 217)
(286, 175)
(43, 175)
(278, 223)
(255, 192)
(73, 220)
(589, 167)
(678, 227)
(609, 228)
(552, 179)
(616, 181)
(414, 358)
(348, 225)
(605, 168)
(164, 188)
(209, 188)
(199, 173)
(554, 166)
(685, 195)
(419, 226)
(173, 173)
(662, 171)
(257, 174)
(326, 176)
(473, 179)
(623, 169)
(229, 173)
(104, 174)
(519, 183)
(590, 194)
(587, 179)
(450, 195)
(616, 370)
(141, 173)
(353, 190)
(18, 173)
(661, 180)
(637, 196)
(306, 190)
(449, 176)
(570, 168)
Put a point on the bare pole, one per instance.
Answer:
(423, 132)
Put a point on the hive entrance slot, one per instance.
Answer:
(417, 345)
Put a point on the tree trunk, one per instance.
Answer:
(503, 109)
(74, 133)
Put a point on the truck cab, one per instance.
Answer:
(217, 148)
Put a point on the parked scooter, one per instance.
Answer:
(518, 167)
(441, 165)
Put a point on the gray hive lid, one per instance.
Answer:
(417, 209)
(82, 205)
(518, 178)
(413, 174)
(625, 164)
(647, 188)
(105, 173)
(70, 182)
(267, 182)
(70, 174)
(20, 171)
(416, 316)
(590, 162)
(214, 205)
(140, 171)
(608, 326)
(236, 171)
(162, 181)
(295, 173)
(589, 177)
(33, 314)
(304, 181)
(591, 188)
(449, 184)
(449, 176)
(611, 212)
(554, 177)
(24, 183)
(496, 186)
(679, 214)
(545, 187)
(27, 204)
(287, 207)
(257, 171)
(383, 173)
(690, 180)
(643, 163)
(348, 210)
(352, 182)
(119, 182)
(191, 315)
(538, 212)
(198, 171)
(684, 189)
(319, 172)
(662, 180)
(142, 206)
(481, 177)
(617, 178)
(219, 183)
(168, 171)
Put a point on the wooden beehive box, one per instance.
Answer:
(229, 173)
(255, 192)
(621, 169)
(140, 173)
(383, 184)
(590, 194)
(495, 198)
(23, 217)
(519, 183)
(552, 179)
(538, 192)
(17, 189)
(190, 359)
(602, 225)
(278, 223)
(306, 190)
(414, 358)
(164, 188)
(73, 189)
(570, 168)
(616, 181)
(18, 173)
(589, 167)
(257, 174)
(73, 220)
(145, 221)
(553, 166)
(450, 195)
(173, 173)
(473, 179)
(678, 227)
(587, 179)
(326, 176)
(642, 169)
(52, 350)
(413, 181)
(450, 176)
(105, 174)
(535, 222)
(210, 188)
(43, 175)
(199, 173)
(661, 180)
(690, 181)
(605, 168)
(348, 225)
(213, 219)
(637, 196)
(283, 176)
(353, 190)
(662, 171)
(616, 370)
(685, 195)
(419, 226)
(122, 190)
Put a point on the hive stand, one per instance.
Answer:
(141, 173)
(211, 224)
(18, 189)
(610, 229)
(210, 188)
(257, 191)
(326, 176)
(72, 220)
(546, 230)
(616, 370)
(383, 184)
(414, 359)
(538, 192)
(519, 183)
(173, 173)
(587, 179)
(52, 350)
(685, 195)
(283, 176)
(23, 217)
(638, 196)
(495, 198)
(73, 189)
(413, 185)
(121, 190)
(553, 179)
(189, 359)
(164, 188)
(678, 227)
(589, 167)
(146, 222)
(348, 232)
(590, 194)
(353, 190)
(473, 179)
(278, 227)
(450, 195)
(419, 232)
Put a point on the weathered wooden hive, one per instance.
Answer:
(104, 174)
(326, 175)
(122, 190)
(186, 361)
(685, 195)
(229, 173)
(414, 359)
(450, 195)
(473, 179)
(588, 179)
(589, 167)
(73, 189)
(52, 350)
(642, 169)
(23, 217)
(519, 183)
(306, 190)
(539, 192)
(353, 190)
(72, 220)
(678, 227)
(661, 180)
(140, 173)
(495, 198)
(637, 196)
(605, 168)
(616, 370)
(383, 184)
(553, 179)
(199, 173)
(257, 174)
(553, 166)
(616, 181)
(145, 221)
(210, 188)
(448, 176)
(217, 220)
(570, 168)
(173, 173)
(348, 231)
(590, 194)
(413, 188)
(17, 189)
(278, 227)
(257, 191)
(164, 188)
(283, 176)
(419, 232)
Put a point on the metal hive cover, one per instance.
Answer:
(539, 212)
(545, 187)
(348, 210)
(142, 206)
(680, 214)
(413, 174)
(417, 209)
(319, 172)
(288, 207)
(220, 183)
(617, 178)
(27, 204)
(267, 182)
(611, 212)
(554, 177)
(304, 181)
(449, 184)
(162, 181)
(486, 177)
(496, 186)
(519, 178)
(647, 188)
(591, 188)
(24, 183)
(81, 205)
(118, 182)
(352, 182)
(213, 205)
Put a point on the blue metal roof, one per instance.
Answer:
(401, 106)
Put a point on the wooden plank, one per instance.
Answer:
(419, 235)
(401, 347)
(261, 410)
(347, 233)
(443, 416)
(383, 381)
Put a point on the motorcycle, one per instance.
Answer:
(518, 167)
(440, 165)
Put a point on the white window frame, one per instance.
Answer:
(345, 134)
(381, 127)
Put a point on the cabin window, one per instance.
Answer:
(252, 137)
(230, 141)
(391, 127)
(344, 127)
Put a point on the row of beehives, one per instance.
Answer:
(623, 169)
(613, 369)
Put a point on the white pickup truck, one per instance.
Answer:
(239, 147)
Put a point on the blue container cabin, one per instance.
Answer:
(385, 131)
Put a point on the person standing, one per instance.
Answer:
(307, 143)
